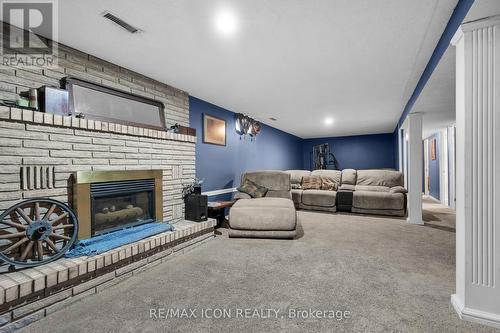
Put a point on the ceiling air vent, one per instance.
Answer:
(120, 22)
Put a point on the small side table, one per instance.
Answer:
(216, 210)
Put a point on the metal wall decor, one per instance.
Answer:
(245, 125)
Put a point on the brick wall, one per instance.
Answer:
(63, 145)
(72, 62)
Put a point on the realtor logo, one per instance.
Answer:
(28, 31)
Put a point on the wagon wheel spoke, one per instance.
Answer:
(15, 217)
(26, 251)
(49, 212)
(58, 219)
(23, 215)
(63, 226)
(15, 225)
(52, 245)
(14, 235)
(15, 245)
(37, 211)
(39, 250)
(60, 236)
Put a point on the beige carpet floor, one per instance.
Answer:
(390, 276)
(438, 216)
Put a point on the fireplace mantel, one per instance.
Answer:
(36, 117)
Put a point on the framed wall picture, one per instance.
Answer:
(214, 130)
(433, 149)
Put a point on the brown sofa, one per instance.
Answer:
(378, 192)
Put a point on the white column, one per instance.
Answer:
(415, 168)
(477, 296)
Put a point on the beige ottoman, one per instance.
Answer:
(263, 218)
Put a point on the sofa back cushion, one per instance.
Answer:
(333, 175)
(277, 182)
(389, 178)
(328, 185)
(311, 183)
(296, 175)
(252, 189)
(349, 177)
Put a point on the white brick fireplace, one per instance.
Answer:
(40, 151)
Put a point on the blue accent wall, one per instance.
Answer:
(434, 176)
(221, 166)
(356, 152)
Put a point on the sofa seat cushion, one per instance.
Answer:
(372, 188)
(319, 198)
(347, 187)
(378, 200)
(263, 214)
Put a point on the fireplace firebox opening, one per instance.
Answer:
(110, 200)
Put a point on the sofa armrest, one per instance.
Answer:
(241, 195)
(398, 189)
(347, 187)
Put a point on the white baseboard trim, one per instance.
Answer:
(218, 192)
(476, 316)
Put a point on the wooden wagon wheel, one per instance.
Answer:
(36, 231)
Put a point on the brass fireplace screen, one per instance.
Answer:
(111, 200)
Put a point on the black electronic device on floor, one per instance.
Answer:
(196, 207)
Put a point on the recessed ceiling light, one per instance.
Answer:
(226, 22)
(328, 121)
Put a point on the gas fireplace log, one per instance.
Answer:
(122, 214)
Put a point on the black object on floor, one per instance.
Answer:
(344, 201)
(196, 207)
